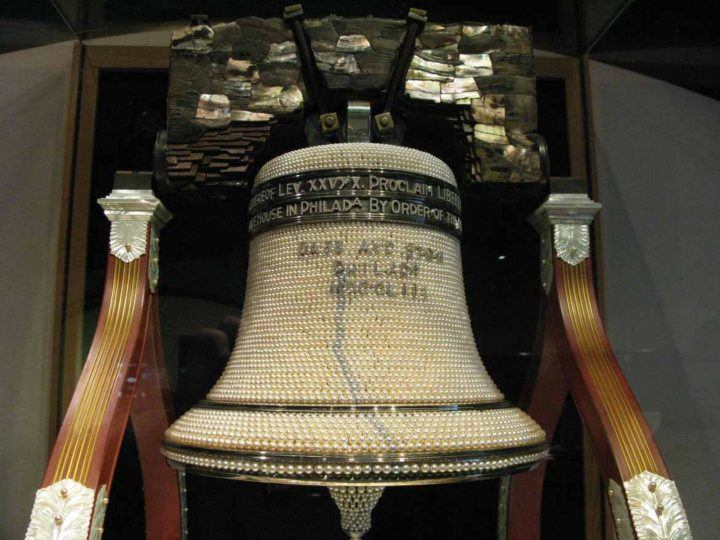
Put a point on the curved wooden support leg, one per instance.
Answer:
(150, 418)
(644, 501)
(627, 454)
(126, 349)
(543, 401)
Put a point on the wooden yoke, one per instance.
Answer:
(576, 357)
(124, 377)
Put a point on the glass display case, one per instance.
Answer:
(189, 114)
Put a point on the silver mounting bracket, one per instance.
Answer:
(562, 222)
(359, 127)
(130, 207)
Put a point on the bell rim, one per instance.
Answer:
(354, 408)
(404, 468)
(488, 475)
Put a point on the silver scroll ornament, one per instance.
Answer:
(656, 509)
(130, 211)
(61, 511)
(563, 222)
(572, 242)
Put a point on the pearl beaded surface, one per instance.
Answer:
(398, 350)
(368, 156)
(354, 314)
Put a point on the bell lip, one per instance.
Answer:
(387, 457)
(381, 482)
(333, 408)
(481, 465)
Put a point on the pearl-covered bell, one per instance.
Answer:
(355, 361)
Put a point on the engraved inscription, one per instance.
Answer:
(334, 185)
(386, 207)
(375, 267)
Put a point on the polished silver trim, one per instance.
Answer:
(503, 499)
(402, 457)
(358, 117)
(130, 211)
(98, 520)
(384, 469)
(182, 485)
(62, 511)
(656, 509)
(562, 222)
(621, 516)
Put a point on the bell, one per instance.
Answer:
(355, 365)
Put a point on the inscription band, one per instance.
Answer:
(329, 198)
(354, 182)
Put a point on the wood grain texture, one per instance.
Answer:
(124, 372)
(577, 356)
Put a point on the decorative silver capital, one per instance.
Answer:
(61, 511)
(563, 222)
(656, 509)
(130, 210)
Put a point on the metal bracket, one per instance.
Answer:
(358, 121)
(183, 505)
(329, 123)
(621, 516)
(416, 19)
(130, 207)
(98, 520)
(503, 499)
(293, 16)
(562, 222)
(543, 153)
(199, 19)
